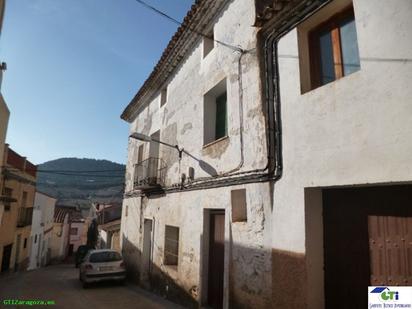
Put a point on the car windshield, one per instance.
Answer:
(107, 256)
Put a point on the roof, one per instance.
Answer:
(197, 19)
(60, 213)
(275, 13)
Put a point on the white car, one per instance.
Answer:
(101, 265)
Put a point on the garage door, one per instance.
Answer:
(367, 241)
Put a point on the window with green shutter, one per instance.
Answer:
(221, 117)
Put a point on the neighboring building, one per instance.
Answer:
(342, 208)
(295, 180)
(41, 230)
(77, 227)
(109, 218)
(61, 231)
(19, 176)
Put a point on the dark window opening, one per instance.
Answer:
(171, 253)
(221, 123)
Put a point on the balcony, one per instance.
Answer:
(149, 174)
(25, 216)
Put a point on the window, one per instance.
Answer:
(215, 113)
(8, 193)
(73, 231)
(163, 96)
(208, 43)
(171, 253)
(334, 49)
(35, 238)
(25, 243)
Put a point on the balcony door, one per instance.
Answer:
(154, 157)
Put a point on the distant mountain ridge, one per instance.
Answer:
(78, 182)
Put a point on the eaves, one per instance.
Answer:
(187, 35)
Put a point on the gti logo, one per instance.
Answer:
(385, 293)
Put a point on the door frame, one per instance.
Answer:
(204, 257)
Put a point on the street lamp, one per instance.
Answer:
(145, 138)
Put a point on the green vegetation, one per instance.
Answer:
(76, 181)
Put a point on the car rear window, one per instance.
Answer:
(102, 257)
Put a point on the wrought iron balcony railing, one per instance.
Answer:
(149, 173)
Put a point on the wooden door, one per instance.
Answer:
(147, 252)
(5, 262)
(216, 260)
(367, 241)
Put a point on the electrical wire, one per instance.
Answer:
(161, 13)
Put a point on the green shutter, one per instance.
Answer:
(221, 118)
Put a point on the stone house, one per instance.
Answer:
(267, 153)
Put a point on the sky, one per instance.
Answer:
(72, 68)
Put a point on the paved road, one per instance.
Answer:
(60, 283)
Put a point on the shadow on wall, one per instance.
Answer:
(206, 167)
(159, 282)
(249, 278)
(289, 280)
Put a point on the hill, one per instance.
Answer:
(76, 181)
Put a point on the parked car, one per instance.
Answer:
(80, 254)
(102, 265)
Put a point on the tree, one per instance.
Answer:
(92, 234)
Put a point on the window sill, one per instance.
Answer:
(332, 83)
(216, 141)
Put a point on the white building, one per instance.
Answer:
(296, 134)
(41, 230)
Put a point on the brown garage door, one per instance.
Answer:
(367, 241)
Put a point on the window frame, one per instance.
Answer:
(166, 261)
(331, 25)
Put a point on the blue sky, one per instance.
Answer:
(73, 66)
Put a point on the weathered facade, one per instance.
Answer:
(342, 204)
(287, 190)
(193, 214)
(19, 177)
